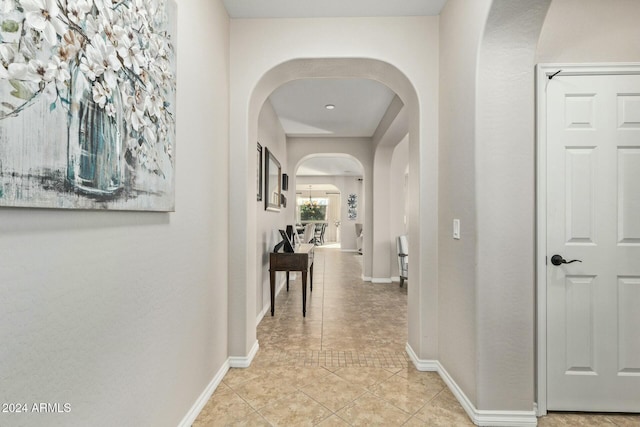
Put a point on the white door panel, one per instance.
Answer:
(593, 215)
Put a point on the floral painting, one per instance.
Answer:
(87, 104)
(352, 205)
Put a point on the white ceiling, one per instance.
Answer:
(305, 188)
(359, 107)
(330, 166)
(331, 8)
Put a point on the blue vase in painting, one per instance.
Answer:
(95, 163)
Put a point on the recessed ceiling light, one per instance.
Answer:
(329, 106)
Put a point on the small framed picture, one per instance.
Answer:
(259, 173)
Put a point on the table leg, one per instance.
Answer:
(272, 286)
(287, 281)
(311, 278)
(304, 293)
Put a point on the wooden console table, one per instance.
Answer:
(300, 260)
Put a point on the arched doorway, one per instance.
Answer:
(422, 222)
(344, 173)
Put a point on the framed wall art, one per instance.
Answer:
(259, 173)
(87, 104)
(352, 204)
(272, 182)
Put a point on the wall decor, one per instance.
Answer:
(259, 173)
(87, 104)
(272, 182)
(352, 204)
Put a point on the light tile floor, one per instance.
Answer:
(344, 364)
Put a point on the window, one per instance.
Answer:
(313, 209)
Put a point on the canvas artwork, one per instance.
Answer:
(87, 104)
(352, 204)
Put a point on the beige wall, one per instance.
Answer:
(487, 181)
(461, 26)
(124, 314)
(398, 198)
(271, 136)
(590, 31)
(505, 196)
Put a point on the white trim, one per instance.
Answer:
(481, 417)
(395, 279)
(348, 250)
(543, 72)
(589, 69)
(202, 400)
(478, 417)
(421, 365)
(267, 306)
(381, 280)
(365, 278)
(264, 311)
(541, 239)
(244, 361)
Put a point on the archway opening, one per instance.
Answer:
(333, 180)
(422, 223)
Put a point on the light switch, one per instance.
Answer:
(456, 229)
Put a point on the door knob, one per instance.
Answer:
(558, 260)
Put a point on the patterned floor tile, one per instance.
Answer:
(345, 363)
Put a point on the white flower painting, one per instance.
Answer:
(352, 204)
(87, 104)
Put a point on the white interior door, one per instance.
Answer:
(593, 215)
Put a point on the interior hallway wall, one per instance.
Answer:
(271, 136)
(382, 258)
(505, 205)
(461, 27)
(398, 198)
(590, 31)
(123, 315)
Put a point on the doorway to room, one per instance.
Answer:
(422, 223)
(331, 165)
(588, 152)
(328, 188)
(318, 209)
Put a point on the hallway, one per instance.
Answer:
(344, 364)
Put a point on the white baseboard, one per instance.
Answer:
(244, 361)
(479, 417)
(365, 278)
(505, 418)
(204, 397)
(267, 306)
(381, 280)
(395, 279)
(420, 364)
(261, 315)
(348, 250)
(231, 362)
